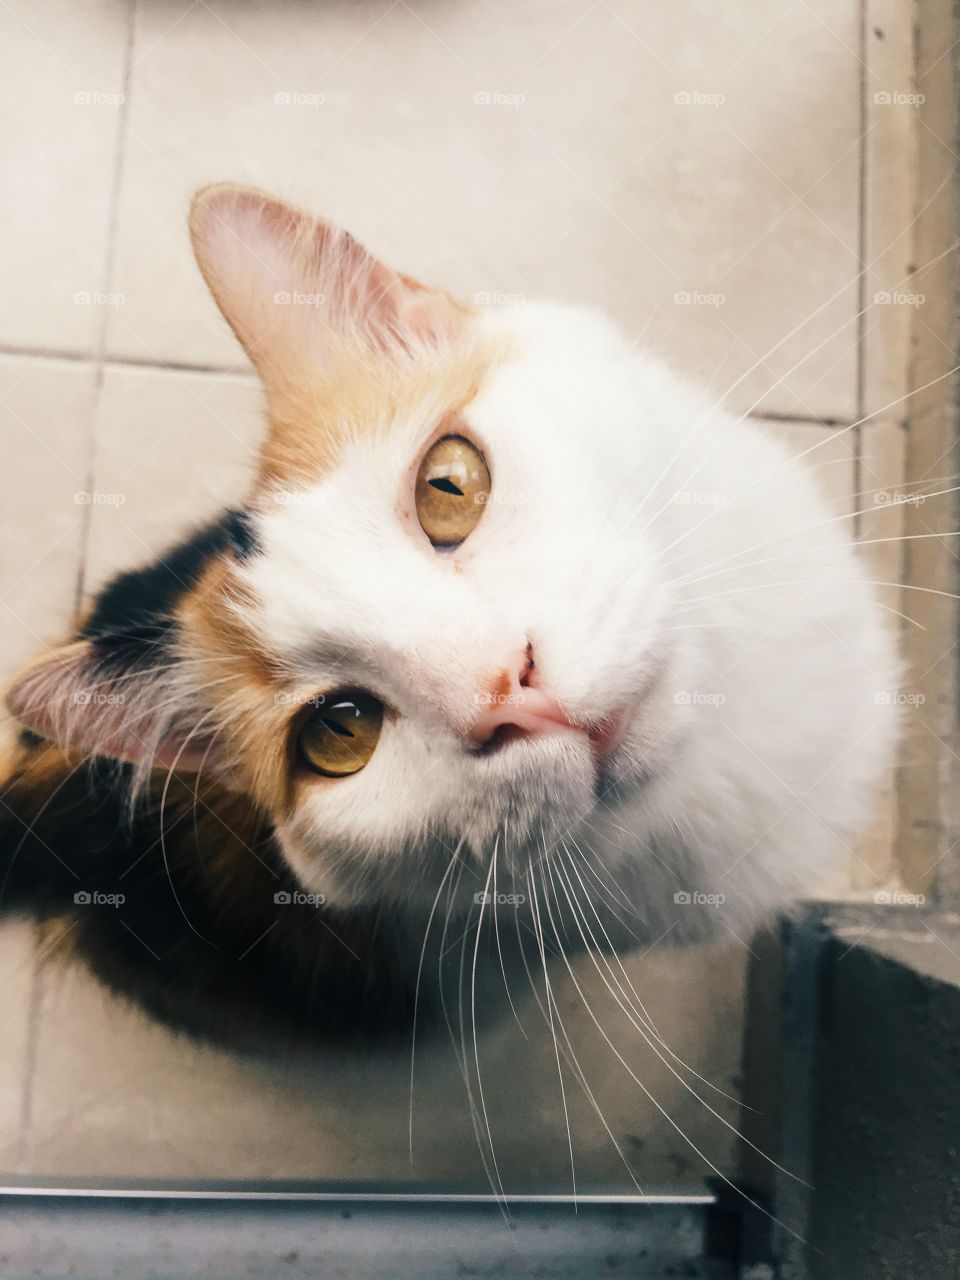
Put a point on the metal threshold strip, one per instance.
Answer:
(106, 1230)
(306, 1194)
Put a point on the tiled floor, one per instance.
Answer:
(696, 169)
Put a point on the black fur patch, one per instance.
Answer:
(139, 604)
(172, 909)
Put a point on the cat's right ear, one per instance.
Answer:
(300, 294)
(95, 701)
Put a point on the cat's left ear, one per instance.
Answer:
(101, 699)
(300, 294)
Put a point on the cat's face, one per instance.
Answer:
(448, 632)
(516, 668)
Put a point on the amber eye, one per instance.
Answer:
(341, 735)
(453, 484)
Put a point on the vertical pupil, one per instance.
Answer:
(344, 712)
(335, 725)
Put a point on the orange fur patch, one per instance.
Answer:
(312, 421)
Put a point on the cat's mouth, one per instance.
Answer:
(607, 735)
(603, 737)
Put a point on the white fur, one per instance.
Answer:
(762, 720)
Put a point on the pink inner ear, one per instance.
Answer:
(171, 754)
(396, 309)
(428, 315)
(66, 698)
(293, 287)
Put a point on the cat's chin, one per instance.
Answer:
(532, 793)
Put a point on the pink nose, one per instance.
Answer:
(514, 707)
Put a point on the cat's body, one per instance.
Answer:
(644, 690)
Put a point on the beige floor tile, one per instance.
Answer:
(172, 449)
(118, 1096)
(634, 187)
(46, 412)
(17, 972)
(62, 72)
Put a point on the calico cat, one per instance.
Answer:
(516, 635)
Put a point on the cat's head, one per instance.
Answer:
(438, 623)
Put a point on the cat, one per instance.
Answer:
(515, 631)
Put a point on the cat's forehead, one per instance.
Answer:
(373, 400)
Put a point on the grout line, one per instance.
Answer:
(120, 361)
(34, 1010)
(862, 234)
(109, 269)
(799, 419)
